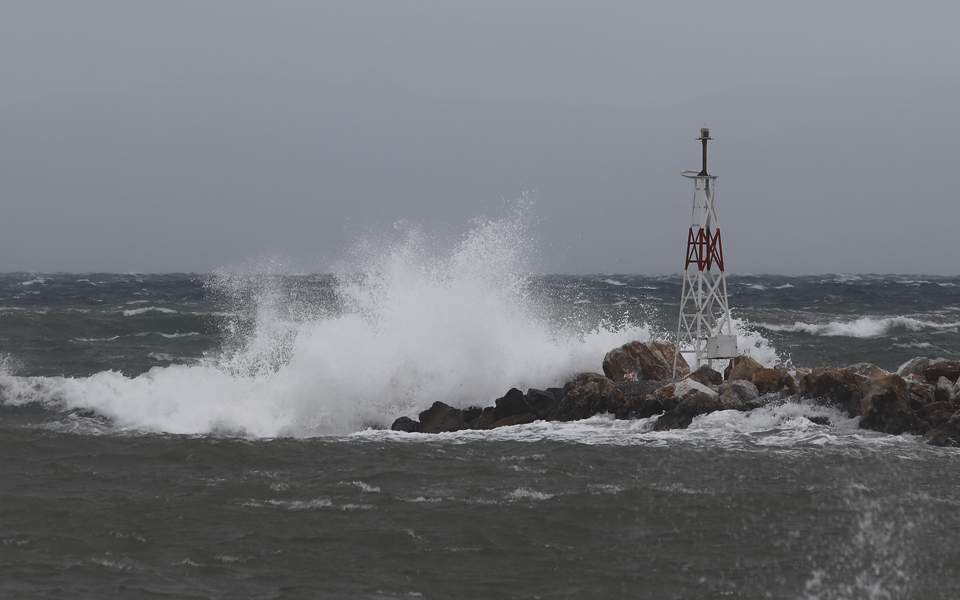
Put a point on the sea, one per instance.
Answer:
(226, 435)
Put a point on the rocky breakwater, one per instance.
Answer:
(922, 397)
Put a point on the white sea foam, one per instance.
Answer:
(132, 312)
(418, 325)
(37, 281)
(785, 286)
(777, 425)
(613, 282)
(864, 327)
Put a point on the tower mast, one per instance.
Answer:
(705, 328)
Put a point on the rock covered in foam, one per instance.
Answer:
(637, 361)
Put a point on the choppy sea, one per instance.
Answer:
(221, 436)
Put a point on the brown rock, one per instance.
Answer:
(886, 407)
(769, 381)
(706, 376)
(741, 367)
(920, 393)
(842, 387)
(586, 395)
(947, 434)
(949, 369)
(639, 401)
(441, 417)
(692, 399)
(638, 361)
(936, 414)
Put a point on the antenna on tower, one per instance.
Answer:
(705, 328)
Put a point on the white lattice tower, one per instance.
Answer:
(705, 329)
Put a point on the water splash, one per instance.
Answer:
(409, 323)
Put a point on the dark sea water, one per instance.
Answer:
(194, 436)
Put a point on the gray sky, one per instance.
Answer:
(158, 136)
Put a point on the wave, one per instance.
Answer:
(414, 325)
(864, 327)
(613, 282)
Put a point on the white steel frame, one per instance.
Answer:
(704, 310)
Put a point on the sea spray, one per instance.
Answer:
(408, 325)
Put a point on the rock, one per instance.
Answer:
(543, 403)
(886, 407)
(935, 414)
(949, 369)
(741, 367)
(706, 376)
(586, 395)
(930, 370)
(512, 403)
(406, 424)
(913, 368)
(842, 387)
(769, 381)
(637, 361)
(868, 370)
(947, 434)
(692, 399)
(639, 400)
(515, 420)
(945, 391)
(441, 417)
(739, 394)
(921, 394)
(482, 420)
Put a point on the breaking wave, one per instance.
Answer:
(412, 324)
(864, 327)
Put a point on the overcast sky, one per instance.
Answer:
(173, 136)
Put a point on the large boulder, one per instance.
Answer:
(586, 395)
(511, 403)
(441, 417)
(935, 414)
(692, 399)
(406, 424)
(776, 380)
(842, 387)
(741, 367)
(942, 368)
(739, 394)
(947, 433)
(636, 361)
(543, 403)
(930, 370)
(886, 406)
(920, 393)
(639, 400)
(706, 376)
